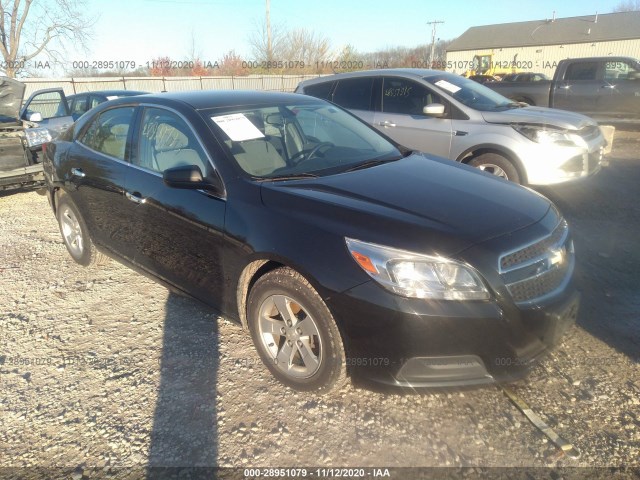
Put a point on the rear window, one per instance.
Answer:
(319, 90)
(354, 93)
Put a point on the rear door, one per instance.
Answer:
(356, 95)
(95, 172)
(179, 231)
(578, 91)
(403, 120)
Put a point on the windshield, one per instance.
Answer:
(289, 140)
(470, 93)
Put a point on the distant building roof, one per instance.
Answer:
(610, 26)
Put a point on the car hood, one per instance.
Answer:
(11, 95)
(540, 115)
(419, 203)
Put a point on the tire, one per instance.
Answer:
(76, 235)
(309, 357)
(497, 165)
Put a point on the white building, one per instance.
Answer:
(538, 45)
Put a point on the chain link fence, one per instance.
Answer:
(278, 83)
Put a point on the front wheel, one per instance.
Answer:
(294, 332)
(496, 165)
(75, 234)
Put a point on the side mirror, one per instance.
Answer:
(34, 117)
(190, 177)
(434, 110)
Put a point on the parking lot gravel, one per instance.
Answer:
(102, 368)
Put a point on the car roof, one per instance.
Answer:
(402, 72)
(204, 99)
(109, 93)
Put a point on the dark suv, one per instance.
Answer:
(339, 250)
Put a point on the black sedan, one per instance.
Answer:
(340, 251)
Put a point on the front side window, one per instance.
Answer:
(297, 139)
(400, 95)
(167, 141)
(354, 93)
(108, 133)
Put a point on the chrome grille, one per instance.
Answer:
(537, 287)
(535, 250)
(537, 270)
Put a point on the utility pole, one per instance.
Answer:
(269, 50)
(433, 39)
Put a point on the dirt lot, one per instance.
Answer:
(102, 368)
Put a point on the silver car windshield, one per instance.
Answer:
(470, 93)
(289, 140)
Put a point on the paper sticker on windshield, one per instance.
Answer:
(237, 127)
(450, 87)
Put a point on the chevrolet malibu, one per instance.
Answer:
(341, 252)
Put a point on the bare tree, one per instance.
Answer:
(259, 43)
(306, 46)
(627, 6)
(29, 28)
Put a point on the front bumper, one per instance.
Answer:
(551, 164)
(419, 343)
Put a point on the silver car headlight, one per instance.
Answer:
(549, 135)
(37, 136)
(416, 275)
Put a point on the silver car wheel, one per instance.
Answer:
(291, 336)
(494, 169)
(71, 231)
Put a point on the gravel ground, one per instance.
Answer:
(103, 368)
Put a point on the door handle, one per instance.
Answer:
(77, 172)
(387, 123)
(607, 86)
(564, 87)
(134, 197)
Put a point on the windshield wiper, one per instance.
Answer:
(289, 176)
(370, 163)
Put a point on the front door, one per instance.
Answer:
(180, 232)
(403, 120)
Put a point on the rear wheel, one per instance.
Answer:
(294, 332)
(75, 234)
(496, 165)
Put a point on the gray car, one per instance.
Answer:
(457, 118)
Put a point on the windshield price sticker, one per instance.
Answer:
(237, 127)
(450, 87)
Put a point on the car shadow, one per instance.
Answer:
(184, 437)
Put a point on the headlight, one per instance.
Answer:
(37, 136)
(417, 275)
(550, 135)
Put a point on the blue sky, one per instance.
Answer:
(141, 30)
